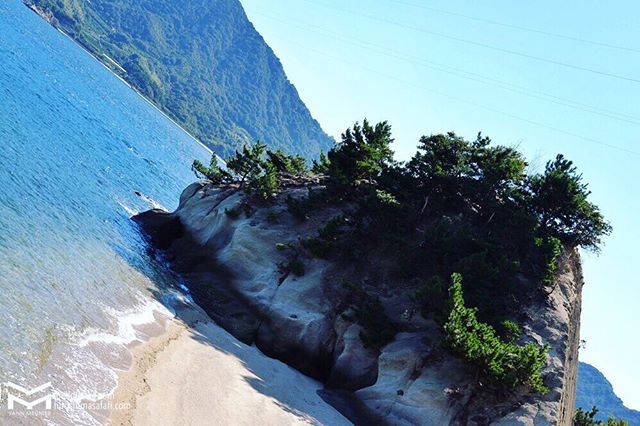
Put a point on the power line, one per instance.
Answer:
(472, 103)
(518, 27)
(483, 45)
(462, 73)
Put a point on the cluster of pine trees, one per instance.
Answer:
(457, 212)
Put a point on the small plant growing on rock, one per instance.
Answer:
(478, 343)
(378, 329)
(510, 330)
(296, 266)
(328, 237)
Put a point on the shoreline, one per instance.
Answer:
(195, 373)
(39, 13)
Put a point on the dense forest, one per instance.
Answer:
(202, 62)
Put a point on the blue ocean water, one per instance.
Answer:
(75, 144)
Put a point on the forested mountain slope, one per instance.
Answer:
(200, 61)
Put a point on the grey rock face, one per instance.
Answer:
(232, 255)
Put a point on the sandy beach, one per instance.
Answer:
(195, 373)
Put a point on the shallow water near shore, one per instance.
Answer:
(76, 280)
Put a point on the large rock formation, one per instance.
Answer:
(232, 255)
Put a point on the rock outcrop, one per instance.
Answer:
(233, 257)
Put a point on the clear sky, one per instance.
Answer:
(545, 76)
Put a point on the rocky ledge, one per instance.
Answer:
(230, 252)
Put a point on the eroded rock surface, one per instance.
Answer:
(233, 256)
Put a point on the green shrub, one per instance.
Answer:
(361, 156)
(252, 170)
(550, 248)
(432, 297)
(321, 166)
(214, 173)
(478, 343)
(510, 330)
(301, 207)
(325, 243)
(386, 198)
(247, 164)
(296, 266)
(292, 164)
(377, 328)
(588, 418)
(267, 184)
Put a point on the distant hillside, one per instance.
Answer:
(595, 389)
(200, 61)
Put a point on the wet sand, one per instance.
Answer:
(195, 373)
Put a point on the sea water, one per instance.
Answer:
(76, 143)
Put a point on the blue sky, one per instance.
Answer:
(545, 76)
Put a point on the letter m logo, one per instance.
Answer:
(12, 399)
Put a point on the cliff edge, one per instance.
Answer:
(233, 255)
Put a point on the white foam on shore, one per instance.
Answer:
(129, 210)
(85, 371)
(127, 321)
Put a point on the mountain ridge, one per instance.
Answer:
(595, 389)
(202, 63)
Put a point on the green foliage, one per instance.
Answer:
(248, 167)
(214, 173)
(292, 164)
(300, 208)
(559, 198)
(362, 155)
(255, 169)
(458, 206)
(386, 198)
(588, 418)
(295, 266)
(324, 244)
(510, 330)
(202, 63)
(378, 330)
(248, 164)
(267, 184)
(432, 296)
(321, 166)
(453, 173)
(550, 250)
(478, 343)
